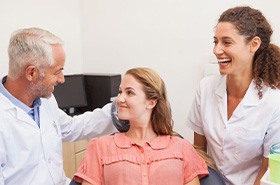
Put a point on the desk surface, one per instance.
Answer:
(266, 180)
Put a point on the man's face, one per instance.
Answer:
(44, 85)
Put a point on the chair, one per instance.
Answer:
(214, 178)
(73, 182)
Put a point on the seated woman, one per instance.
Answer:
(214, 177)
(147, 153)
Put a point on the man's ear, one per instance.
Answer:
(31, 73)
(255, 44)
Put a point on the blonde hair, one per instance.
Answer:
(154, 89)
(206, 157)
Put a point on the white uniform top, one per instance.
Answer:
(237, 145)
(30, 155)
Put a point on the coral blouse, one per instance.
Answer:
(116, 160)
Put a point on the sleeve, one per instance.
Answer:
(3, 159)
(194, 165)
(194, 118)
(2, 162)
(87, 125)
(273, 131)
(90, 168)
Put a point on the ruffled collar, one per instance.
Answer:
(160, 142)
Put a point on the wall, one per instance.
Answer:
(175, 37)
(62, 17)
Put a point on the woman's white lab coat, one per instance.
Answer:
(239, 144)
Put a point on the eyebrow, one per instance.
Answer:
(128, 88)
(226, 37)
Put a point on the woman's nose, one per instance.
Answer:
(217, 50)
(120, 98)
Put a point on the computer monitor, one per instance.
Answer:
(71, 95)
(101, 88)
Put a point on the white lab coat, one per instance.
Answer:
(30, 155)
(237, 145)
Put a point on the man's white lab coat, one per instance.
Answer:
(30, 155)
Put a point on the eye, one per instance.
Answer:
(120, 91)
(227, 42)
(59, 72)
(215, 42)
(129, 92)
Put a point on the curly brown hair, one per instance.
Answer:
(250, 23)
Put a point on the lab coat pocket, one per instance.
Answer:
(54, 136)
(249, 144)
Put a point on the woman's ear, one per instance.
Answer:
(151, 104)
(255, 44)
(31, 73)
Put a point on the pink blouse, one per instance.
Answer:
(116, 160)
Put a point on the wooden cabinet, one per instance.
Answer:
(73, 152)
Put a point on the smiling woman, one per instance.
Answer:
(235, 115)
(147, 151)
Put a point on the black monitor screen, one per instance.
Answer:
(71, 94)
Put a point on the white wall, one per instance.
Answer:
(175, 37)
(62, 17)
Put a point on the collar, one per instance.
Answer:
(160, 142)
(221, 88)
(15, 101)
(251, 97)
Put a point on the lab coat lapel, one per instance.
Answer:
(221, 96)
(16, 111)
(46, 117)
(23, 116)
(250, 100)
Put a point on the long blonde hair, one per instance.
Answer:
(154, 89)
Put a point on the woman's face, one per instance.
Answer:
(234, 55)
(132, 102)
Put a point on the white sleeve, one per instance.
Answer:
(273, 131)
(87, 125)
(3, 159)
(194, 120)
